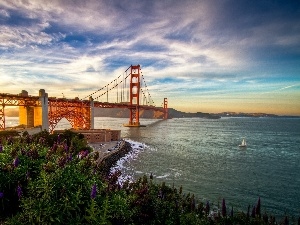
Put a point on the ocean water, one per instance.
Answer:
(203, 156)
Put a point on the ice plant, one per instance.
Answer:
(94, 191)
(19, 191)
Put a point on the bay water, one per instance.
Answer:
(202, 156)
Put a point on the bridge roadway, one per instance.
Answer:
(19, 100)
(77, 112)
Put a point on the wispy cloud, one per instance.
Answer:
(295, 85)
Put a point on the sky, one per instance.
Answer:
(204, 56)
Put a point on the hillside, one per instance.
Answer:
(12, 112)
(172, 113)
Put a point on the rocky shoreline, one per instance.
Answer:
(106, 162)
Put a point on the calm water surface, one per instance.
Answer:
(203, 156)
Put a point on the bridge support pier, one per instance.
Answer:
(32, 116)
(44, 109)
(26, 113)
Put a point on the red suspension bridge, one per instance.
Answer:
(128, 90)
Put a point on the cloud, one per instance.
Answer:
(208, 47)
(4, 13)
(22, 37)
(290, 86)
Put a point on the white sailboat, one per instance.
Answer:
(243, 143)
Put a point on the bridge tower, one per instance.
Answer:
(134, 118)
(165, 108)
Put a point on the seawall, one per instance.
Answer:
(106, 162)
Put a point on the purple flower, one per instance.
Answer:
(253, 212)
(16, 162)
(19, 191)
(223, 208)
(9, 140)
(69, 158)
(58, 138)
(257, 209)
(94, 191)
(1, 148)
(1, 195)
(42, 140)
(66, 147)
(83, 154)
(54, 147)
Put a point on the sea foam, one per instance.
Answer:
(127, 175)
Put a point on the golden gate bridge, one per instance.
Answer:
(128, 90)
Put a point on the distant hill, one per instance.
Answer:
(172, 113)
(241, 114)
(12, 112)
(124, 113)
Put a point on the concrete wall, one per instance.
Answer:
(101, 136)
(97, 135)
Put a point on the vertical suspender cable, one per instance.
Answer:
(117, 90)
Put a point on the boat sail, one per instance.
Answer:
(243, 143)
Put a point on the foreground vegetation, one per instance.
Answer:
(52, 179)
